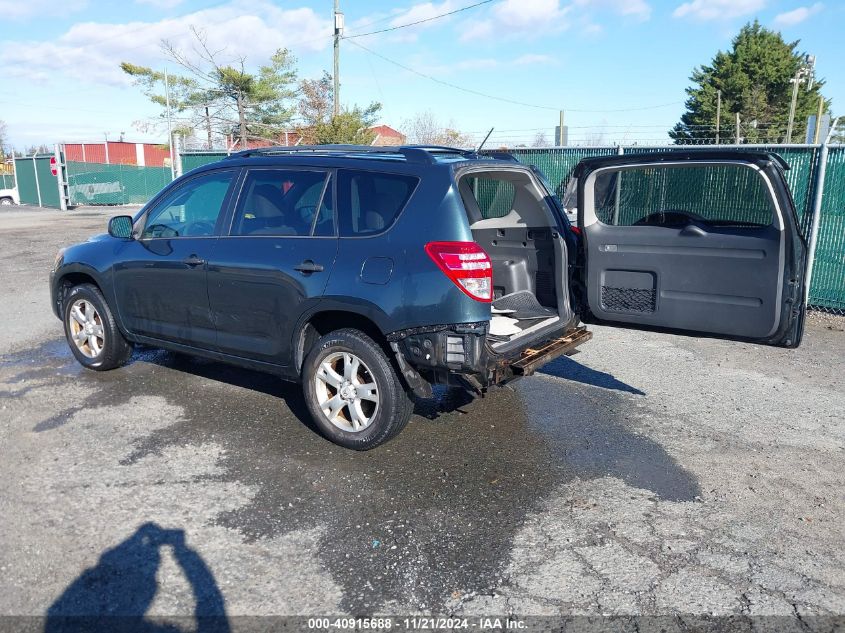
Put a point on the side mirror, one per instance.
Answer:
(121, 226)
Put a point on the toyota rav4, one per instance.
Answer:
(370, 274)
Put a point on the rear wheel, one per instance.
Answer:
(91, 331)
(6, 202)
(352, 391)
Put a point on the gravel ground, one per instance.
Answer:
(650, 474)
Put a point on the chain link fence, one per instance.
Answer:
(827, 291)
(98, 183)
(95, 183)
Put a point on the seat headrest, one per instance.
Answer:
(470, 203)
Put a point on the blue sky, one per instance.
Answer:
(617, 67)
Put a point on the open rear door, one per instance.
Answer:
(699, 240)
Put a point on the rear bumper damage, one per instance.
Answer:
(458, 354)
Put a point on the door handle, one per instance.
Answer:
(693, 230)
(307, 267)
(193, 260)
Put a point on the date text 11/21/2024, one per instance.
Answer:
(417, 623)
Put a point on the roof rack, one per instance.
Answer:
(412, 153)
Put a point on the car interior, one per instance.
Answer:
(511, 220)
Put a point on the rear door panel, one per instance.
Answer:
(705, 261)
(708, 281)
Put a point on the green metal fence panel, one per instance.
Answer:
(557, 163)
(48, 183)
(34, 175)
(99, 183)
(7, 181)
(827, 288)
(26, 181)
(192, 160)
(828, 284)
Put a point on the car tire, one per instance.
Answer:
(6, 202)
(352, 391)
(91, 331)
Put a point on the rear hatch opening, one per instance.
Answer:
(510, 219)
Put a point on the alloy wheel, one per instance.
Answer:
(86, 328)
(346, 390)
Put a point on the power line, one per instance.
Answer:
(431, 19)
(498, 98)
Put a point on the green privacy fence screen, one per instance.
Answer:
(36, 185)
(7, 181)
(192, 160)
(93, 183)
(828, 286)
(828, 283)
(98, 183)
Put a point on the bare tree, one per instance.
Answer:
(222, 93)
(3, 132)
(425, 129)
(540, 140)
(316, 100)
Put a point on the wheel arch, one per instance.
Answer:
(72, 276)
(331, 318)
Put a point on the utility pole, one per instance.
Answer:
(169, 125)
(338, 33)
(737, 128)
(718, 113)
(241, 120)
(805, 71)
(208, 125)
(560, 135)
(819, 116)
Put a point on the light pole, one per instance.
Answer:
(804, 72)
(338, 33)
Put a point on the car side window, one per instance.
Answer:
(190, 210)
(495, 196)
(718, 194)
(369, 202)
(282, 202)
(324, 222)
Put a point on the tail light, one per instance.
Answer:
(467, 265)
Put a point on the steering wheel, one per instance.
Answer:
(307, 212)
(161, 230)
(669, 217)
(200, 227)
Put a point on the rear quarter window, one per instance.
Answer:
(494, 196)
(369, 202)
(670, 195)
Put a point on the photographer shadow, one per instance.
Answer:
(116, 594)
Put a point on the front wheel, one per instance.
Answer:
(352, 391)
(91, 331)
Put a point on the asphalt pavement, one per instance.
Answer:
(650, 474)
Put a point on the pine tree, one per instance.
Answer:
(754, 77)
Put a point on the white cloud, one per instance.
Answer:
(638, 9)
(91, 51)
(717, 9)
(534, 18)
(529, 59)
(161, 4)
(24, 9)
(423, 11)
(512, 18)
(796, 16)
